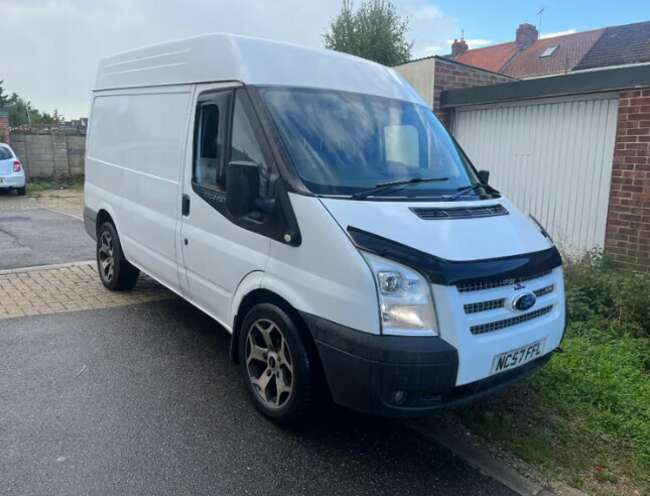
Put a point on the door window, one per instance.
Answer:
(209, 159)
(244, 144)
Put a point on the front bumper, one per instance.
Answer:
(12, 181)
(364, 371)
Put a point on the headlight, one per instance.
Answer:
(405, 300)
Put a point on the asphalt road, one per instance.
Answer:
(40, 237)
(143, 400)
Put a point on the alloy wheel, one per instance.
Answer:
(269, 363)
(105, 256)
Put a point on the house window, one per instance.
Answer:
(549, 51)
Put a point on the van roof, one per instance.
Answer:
(227, 57)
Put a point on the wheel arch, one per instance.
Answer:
(105, 214)
(263, 295)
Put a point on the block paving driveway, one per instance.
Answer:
(134, 393)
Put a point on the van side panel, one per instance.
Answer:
(133, 165)
(326, 275)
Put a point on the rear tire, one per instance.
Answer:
(115, 272)
(21, 191)
(275, 363)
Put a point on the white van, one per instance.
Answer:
(313, 205)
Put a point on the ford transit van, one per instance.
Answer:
(312, 204)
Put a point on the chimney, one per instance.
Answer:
(526, 35)
(458, 47)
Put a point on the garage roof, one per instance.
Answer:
(576, 83)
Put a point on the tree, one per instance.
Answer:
(375, 32)
(4, 99)
(21, 111)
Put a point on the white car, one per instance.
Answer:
(12, 174)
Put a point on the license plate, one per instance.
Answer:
(515, 358)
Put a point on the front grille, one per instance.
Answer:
(484, 306)
(465, 287)
(502, 324)
(459, 212)
(544, 291)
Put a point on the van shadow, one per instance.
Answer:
(372, 451)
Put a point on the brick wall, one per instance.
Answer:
(628, 221)
(450, 75)
(4, 127)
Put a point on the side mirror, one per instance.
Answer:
(484, 176)
(242, 187)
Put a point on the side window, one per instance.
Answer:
(244, 145)
(402, 145)
(209, 159)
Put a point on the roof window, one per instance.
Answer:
(549, 51)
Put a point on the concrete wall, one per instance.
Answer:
(49, 156)
(419, 74)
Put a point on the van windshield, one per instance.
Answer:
(344, 143)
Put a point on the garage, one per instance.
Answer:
(552, 157)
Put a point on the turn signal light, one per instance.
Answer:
(17, 165)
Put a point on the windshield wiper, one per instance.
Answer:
(466, 189)
(382, 187)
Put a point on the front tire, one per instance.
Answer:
(276, 366)
(115, 272)
(21, 191)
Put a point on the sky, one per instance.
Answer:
(50, 48)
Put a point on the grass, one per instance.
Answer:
(36, 186)
(585, 417)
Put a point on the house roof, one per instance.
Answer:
(619, 45)
(226, 57)
(606, 47)
(492, 58)
(570, 50)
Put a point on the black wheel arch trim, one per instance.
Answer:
(90, 222)
(450, 272)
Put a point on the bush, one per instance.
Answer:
(604, 297)
(586, 415)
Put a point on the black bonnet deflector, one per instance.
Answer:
(450, 272)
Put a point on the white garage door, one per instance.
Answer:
(552, 158)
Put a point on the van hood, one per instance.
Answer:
(455, 239)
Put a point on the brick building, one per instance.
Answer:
(4, 126)
(628, 221)
(430, 76)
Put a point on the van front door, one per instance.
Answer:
(217, 252)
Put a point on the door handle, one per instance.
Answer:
(186, 205)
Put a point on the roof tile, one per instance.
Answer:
(570, 50)
(492, 58)
(620, 45)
